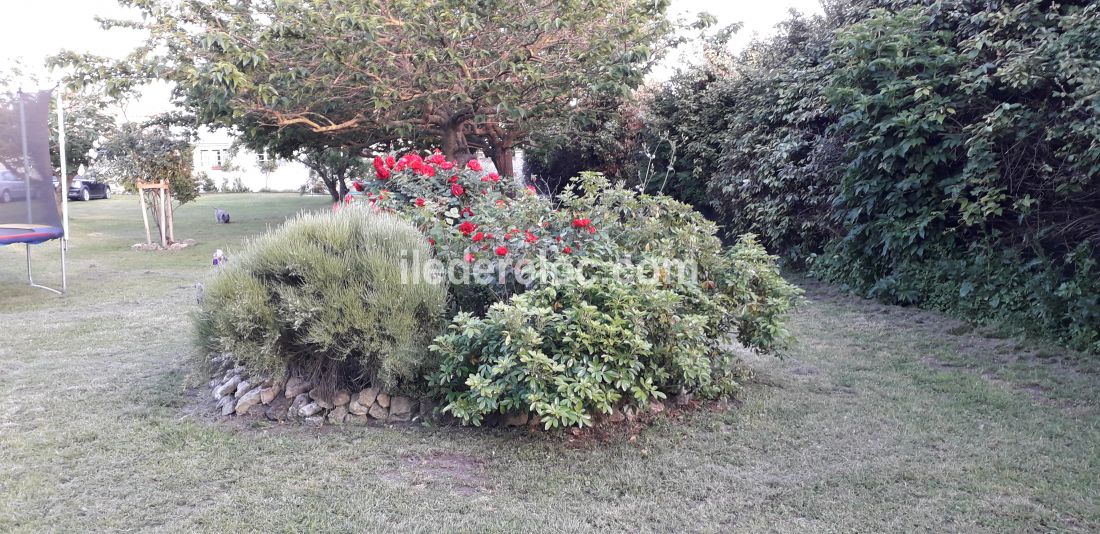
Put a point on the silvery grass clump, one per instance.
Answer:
(323, 297)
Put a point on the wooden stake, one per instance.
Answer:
(145, 217)
(171, 218)
(163, 222)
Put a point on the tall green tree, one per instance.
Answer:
(356, 73)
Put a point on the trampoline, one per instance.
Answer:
(30, 213)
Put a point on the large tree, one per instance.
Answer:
(355, 73)
(87, 121)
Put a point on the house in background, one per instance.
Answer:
(216, 157)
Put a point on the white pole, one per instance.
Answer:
(64, 168)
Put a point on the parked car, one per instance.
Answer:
(85, 188)
(11, 187)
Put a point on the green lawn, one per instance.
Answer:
(882, 419)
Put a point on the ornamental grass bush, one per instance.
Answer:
(328, 297)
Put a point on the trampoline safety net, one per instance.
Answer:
(28, 202)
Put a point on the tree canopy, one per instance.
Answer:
(357, 73)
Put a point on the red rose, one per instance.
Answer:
(581, 223)
(390, 162)
(591, 229)
(437, 158)
(469, 257)
(383, 174)
(427, 170)
(467, 228)
(457, 190)
(567, 250)
(453, 179)
(431, 241)
(478, 237)
(357, 185)
(493, 177)
(446, 165)
(420, 202)
(530, 238)
(378, 163)
(474, 165)
(502, 251)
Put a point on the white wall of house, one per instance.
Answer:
(214, 156)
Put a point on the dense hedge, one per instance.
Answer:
(944, 154)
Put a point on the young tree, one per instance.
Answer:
(150, 152)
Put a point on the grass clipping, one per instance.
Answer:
(331, 298)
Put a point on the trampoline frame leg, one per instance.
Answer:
(64, 280)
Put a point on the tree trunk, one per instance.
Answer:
(504, 159)
(343, 185)
(454, 144)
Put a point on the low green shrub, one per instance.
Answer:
(328, 297)
(600, 334)
(574, 348)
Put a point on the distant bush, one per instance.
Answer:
(237, 186)
(324, 297)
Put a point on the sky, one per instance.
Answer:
(37, 29)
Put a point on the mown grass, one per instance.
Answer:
(880, 419)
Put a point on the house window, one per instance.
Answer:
(212, 159)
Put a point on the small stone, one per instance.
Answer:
(378, 412)
(243, 388)
(248, 400)
(296, 386)
(299, 401)
(383, 400)
(630, 413)
(268, 394)
(358, 409)
(320, 398)
(315, 420)
(229, 387)
(402, 408)
(337, 415)
(341, 398)
(616, 416)
(427, 407)
(353, 419)
(516, 419)
(656, 406)
(367, 396)
(277, 411)
(310, 410)
(227, 405)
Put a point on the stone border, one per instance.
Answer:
(294, 399)
(240, 393)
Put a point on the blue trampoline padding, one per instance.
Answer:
(33, 234)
